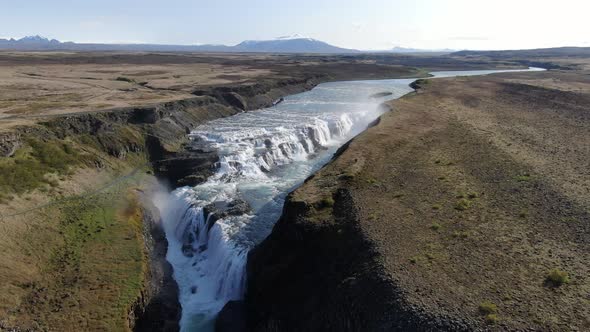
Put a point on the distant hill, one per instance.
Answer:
(399, 49)
(531, 53)
(409, 50)
(291, 44)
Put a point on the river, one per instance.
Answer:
(263, 154)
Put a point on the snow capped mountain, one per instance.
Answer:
(34, 39)
(295, 36)
(31, 43)
(290, 44)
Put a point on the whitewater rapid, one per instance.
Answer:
(263, 155)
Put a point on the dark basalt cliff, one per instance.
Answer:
(318, 271)
(158, 308)
(260, 94)
(322, 274)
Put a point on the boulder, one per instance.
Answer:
(381, 94)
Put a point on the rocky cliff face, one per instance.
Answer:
(160, 131)
(158, 308)
(9, 142)
(322, 274)
(260, 94)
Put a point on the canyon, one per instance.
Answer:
(331, 240)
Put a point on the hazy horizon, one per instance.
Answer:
(375, 25)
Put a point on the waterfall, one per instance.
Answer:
(209, 233)
(263, 155)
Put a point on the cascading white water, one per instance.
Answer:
(262, 156)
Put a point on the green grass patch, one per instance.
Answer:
(326, 202)
(100, 263)
(490, 312)
(523, 177)
(430, 254)
(462, 204)
(435, 226)
(89, 140)
(487, 307)
(372, 181)
(26, 170)
(491, 319)
(556, 277)
(460, 234)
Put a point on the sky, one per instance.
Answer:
(360, 24)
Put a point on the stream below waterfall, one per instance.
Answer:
(263, 155)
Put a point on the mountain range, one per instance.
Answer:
(289, 44)
(286, 44)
